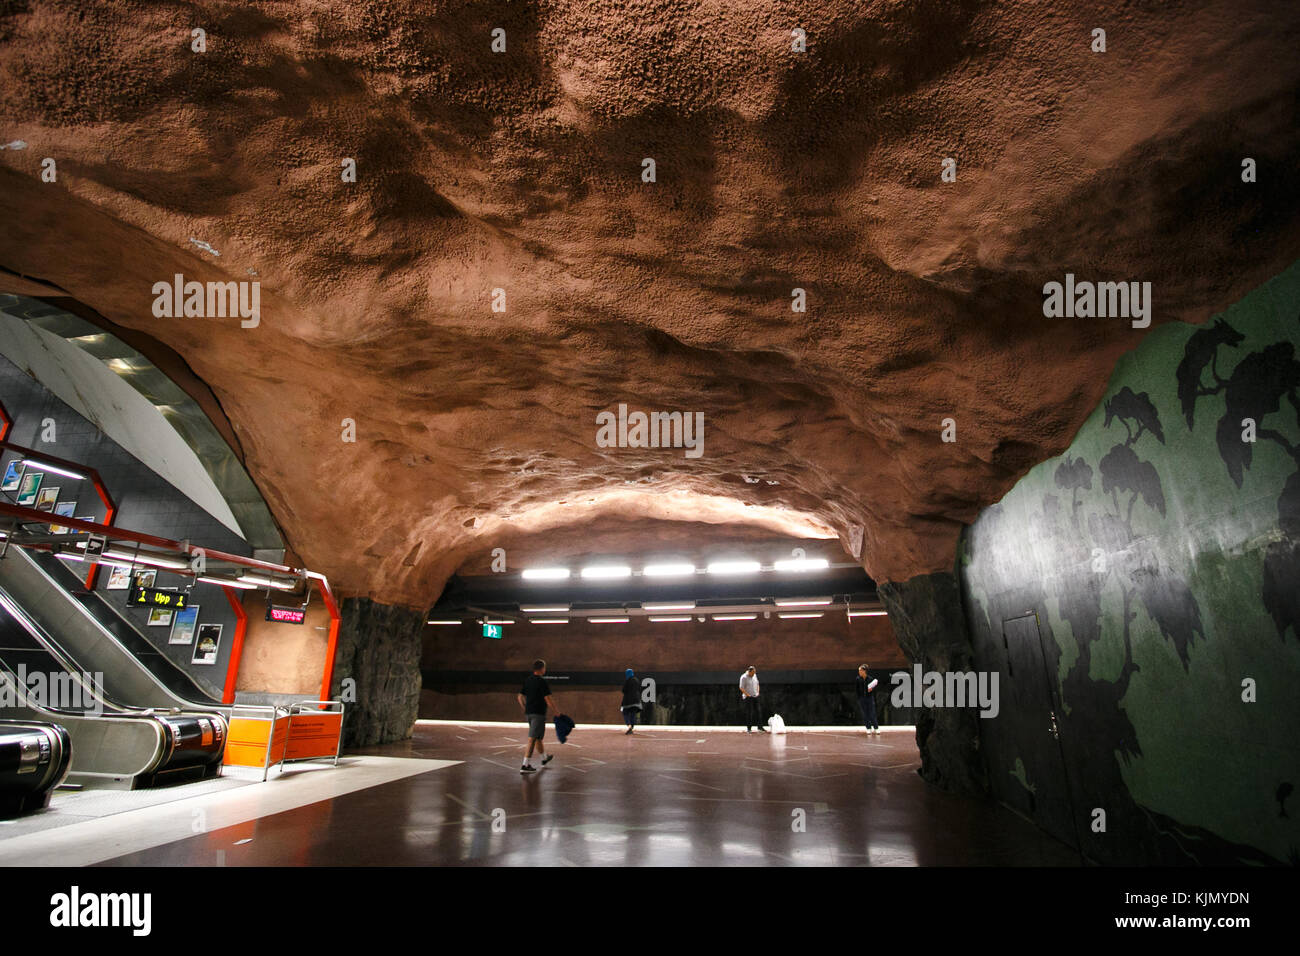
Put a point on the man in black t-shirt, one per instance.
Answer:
(535, 699)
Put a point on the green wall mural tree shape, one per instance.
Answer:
(1131, 542)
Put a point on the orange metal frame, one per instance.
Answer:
(110, 506)
(327, 593)
(5, 422)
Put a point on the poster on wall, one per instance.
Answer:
(145, 579)
(183, 625)
(119, 579)
(46, 499)
(160, 618)
(205, 648)
(13, 474)
(63, 509)
(29, 486)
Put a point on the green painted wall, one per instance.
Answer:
(1196, 535)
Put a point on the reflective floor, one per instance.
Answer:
(661, 797)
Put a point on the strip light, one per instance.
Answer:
(678, 606)
(442, 622)
(801, 564)
(667, 570)
(546, 574)
(32, 463)
(545, 609)
(145, 557)
(548, 620)
(604, 572)
(734, 617)
(607, 620)
(665, 620)
(494, 620)
(259, 581)
(802, 602)
(868, 613)
(734, 567)
(225, 582)
(793, 616)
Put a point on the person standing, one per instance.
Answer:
(864, 686)
(749, 699)
(631, 699)
(535, 699)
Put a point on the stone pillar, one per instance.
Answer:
(928, 618)
(378, 648)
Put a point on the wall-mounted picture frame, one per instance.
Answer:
(64, 509)
(119, 579)
(207, 644)
(145, 579)
(90, 518)
(47, 497)
(159, 617)
(13, 475)
(29, 487)
(184, 625)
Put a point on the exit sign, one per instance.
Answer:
(494, 631)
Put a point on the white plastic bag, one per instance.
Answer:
(776, 725)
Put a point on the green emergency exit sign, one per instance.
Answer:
(493, 631)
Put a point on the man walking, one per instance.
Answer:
(864, 685)
(749, 699)
(535, 699)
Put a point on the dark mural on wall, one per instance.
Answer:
(1132, 594)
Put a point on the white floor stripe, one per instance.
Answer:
(93, 841)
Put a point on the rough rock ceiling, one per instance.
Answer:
(522, 170)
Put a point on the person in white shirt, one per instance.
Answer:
(749, 700)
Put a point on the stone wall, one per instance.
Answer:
(379, 650)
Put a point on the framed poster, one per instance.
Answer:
(145, 579)
(159, 617)
(28, 487)
(205, 648)
(46, 498)
(119, 579)
(90, 518)
(63, 509)
(183, 625)
(13, 474)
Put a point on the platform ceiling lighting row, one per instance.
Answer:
(668, 619)
(613, 572)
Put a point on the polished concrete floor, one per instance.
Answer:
(661, 797)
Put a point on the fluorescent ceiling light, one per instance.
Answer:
(440, 621)
(548, 620)
(226, 582)
(664, 620)
(867, 613)
(496, 620)
(260, 581)
(546, 574)
(734, 567)
(607, 620)
(146, 558)
(792, 616)
(802, 564)
(734, 617)
(32, 463)
(802, 602)
(667, 570)
(606, 571)
(670, 606)
(545, 609)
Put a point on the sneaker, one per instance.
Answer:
(528, 768)
(547, 759)
(629, 730)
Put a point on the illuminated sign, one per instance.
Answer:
(285, 615)
(153, 597)
(494, 631)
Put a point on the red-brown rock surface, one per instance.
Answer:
(522, 170)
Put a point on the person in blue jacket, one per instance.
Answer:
(631, 700)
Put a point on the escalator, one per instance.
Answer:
(95, 634)
(113, 745)
(34, 759)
